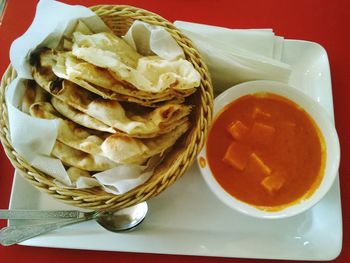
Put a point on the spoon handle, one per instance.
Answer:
(39, 214)
(14, 234)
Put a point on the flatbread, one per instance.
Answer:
(69, 132)
(33, 93)
(74, 173)
(110, 112)
(29, 96)
(101, 82)
(178, 76)
(156, 122)
(61, 70)
(149, 74)
(119, 148)
(79, 159)
(50, 66)
(66, 42)
(97, 132)
(123, 149)
(82, 28)
(107, 48)
(80, 117)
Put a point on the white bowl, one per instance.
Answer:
(319, 115)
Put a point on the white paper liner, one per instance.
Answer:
(148, 40)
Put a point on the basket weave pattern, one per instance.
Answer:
(119, 19)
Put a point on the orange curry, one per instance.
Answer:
(265, 150)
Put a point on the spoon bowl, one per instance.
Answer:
(124, 219)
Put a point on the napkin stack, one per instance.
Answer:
(238, 55)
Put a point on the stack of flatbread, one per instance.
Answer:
(114, 105)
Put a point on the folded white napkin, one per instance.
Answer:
(237, 55)
(34, 138)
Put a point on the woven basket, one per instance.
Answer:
(119, 19)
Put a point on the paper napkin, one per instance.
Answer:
(236, 55)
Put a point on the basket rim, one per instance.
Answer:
(86, 198)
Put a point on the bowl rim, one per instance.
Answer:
(320, 117)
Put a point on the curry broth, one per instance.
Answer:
(266, 151)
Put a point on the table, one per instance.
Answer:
(325, 22)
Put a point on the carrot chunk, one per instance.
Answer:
(262, 133)
(256, 165)
(273, 183)
(237, 155)
(238, 130)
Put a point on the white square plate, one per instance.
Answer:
(188, 219)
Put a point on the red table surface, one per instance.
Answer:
(325, 22)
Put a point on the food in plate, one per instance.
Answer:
(124, 149)
(117, 147)
(266, 151)
(150, 82)
(32, 94)
(150, 122)
(68, 132)
(82, 160)
(114, 106)
(80, 117)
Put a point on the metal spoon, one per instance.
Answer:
(121, 220)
